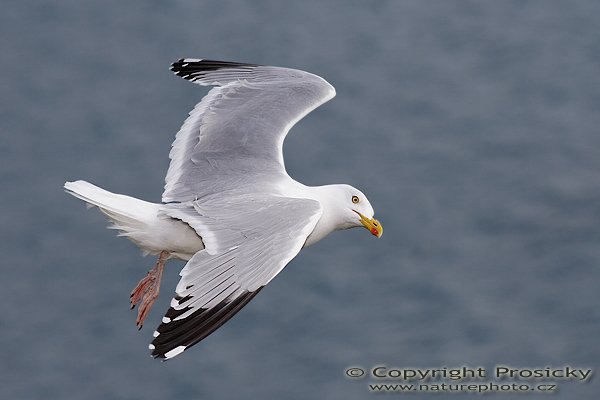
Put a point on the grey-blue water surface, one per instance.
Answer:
(473, 126)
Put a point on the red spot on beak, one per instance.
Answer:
(374, 231)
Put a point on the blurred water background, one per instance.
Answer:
(473, 126)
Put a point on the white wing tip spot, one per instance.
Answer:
(151, 346)
(176, 351)
(166, 320)
(155, 334)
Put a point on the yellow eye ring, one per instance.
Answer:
(355, 199)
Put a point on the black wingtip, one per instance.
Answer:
(193, 68)
(191, 330)
(176, 63)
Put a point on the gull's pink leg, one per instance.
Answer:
(147, 289)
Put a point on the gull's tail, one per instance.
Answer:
(133, 217)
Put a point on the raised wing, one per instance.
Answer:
(239, 127)
(249, 239)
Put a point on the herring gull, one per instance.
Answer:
(229, 207)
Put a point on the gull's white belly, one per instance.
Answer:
(169, 234)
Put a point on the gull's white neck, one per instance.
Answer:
(329, 220)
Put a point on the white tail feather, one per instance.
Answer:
(129, 215)
(119, 208)
(140, 221)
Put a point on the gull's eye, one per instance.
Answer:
(355, 199)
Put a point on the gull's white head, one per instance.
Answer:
(353, 209)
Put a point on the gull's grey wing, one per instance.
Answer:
(236, 133)
(249, 239)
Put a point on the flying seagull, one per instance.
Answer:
(229, 207)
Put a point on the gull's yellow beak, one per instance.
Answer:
(372, 225)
